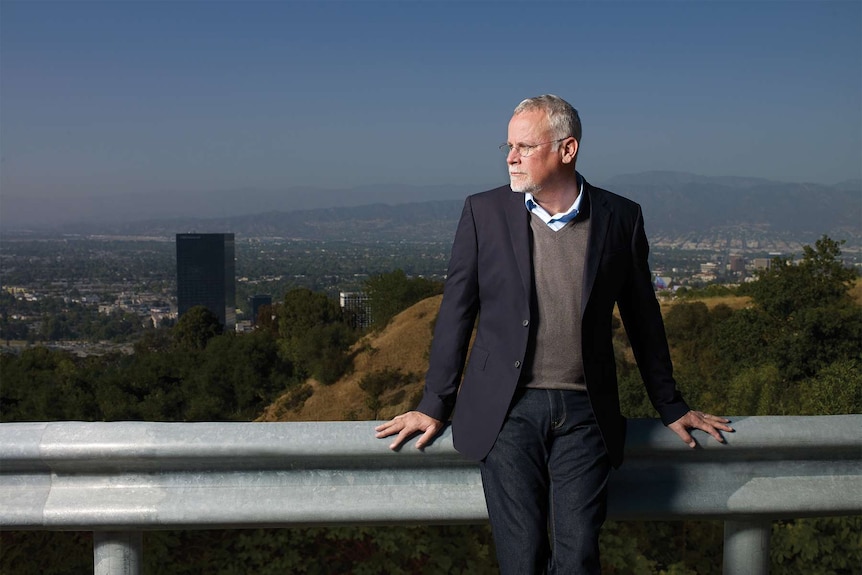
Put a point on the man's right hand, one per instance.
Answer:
(408, 424)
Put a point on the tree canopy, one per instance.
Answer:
(393, 292)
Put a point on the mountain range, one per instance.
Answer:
(681, 209)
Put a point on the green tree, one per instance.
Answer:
(742, 341)
(836, 389)
(196, 327)
(303, 309)
(393, 292)
(819, 279)
(803, 317)
(44, 385)
(818, 546)
(153, 341)
(314, 337)
(754, 391)
(237, 376)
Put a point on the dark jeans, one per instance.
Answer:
(545, 483)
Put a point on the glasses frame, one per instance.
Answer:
(525, 150)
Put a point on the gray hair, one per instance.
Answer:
(563, 119)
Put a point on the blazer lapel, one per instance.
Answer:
(517, 218)
(600, 217)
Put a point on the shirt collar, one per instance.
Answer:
(556, 221)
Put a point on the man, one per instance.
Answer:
(538, 406)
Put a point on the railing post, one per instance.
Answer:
(746, 547)
(117, 552)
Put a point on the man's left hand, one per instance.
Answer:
(712, 424)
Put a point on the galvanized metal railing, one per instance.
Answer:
(118, 479)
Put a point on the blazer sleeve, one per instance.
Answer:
(455, 321)
(642, 319)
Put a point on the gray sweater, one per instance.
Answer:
(554, 356)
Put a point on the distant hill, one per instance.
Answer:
(681, 210)
(118, 210)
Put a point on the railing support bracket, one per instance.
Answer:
(117, 552)
(746, 547)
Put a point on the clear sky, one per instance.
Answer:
(115, 97)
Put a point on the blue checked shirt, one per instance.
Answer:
(557, 221)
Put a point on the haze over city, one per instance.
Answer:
(105, 100)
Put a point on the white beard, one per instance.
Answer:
(524, 185)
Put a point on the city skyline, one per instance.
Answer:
(106, 99)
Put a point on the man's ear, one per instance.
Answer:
(570, 150)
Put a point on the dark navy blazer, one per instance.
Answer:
(491, 276)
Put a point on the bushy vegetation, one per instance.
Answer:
(797, 349)
(173, 376)
(391, 293)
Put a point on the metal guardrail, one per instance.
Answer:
(118, 479)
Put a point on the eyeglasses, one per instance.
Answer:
(525, 150)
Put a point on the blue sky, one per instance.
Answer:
(101, 98)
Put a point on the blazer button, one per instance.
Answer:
(517, 364)
(525, 323)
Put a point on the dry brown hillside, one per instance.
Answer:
(402, 345)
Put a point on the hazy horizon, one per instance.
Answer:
(802, 199)
(103, 100)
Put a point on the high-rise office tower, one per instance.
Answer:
(256, 302)
(206, 275)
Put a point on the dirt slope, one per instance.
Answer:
(402, 345)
